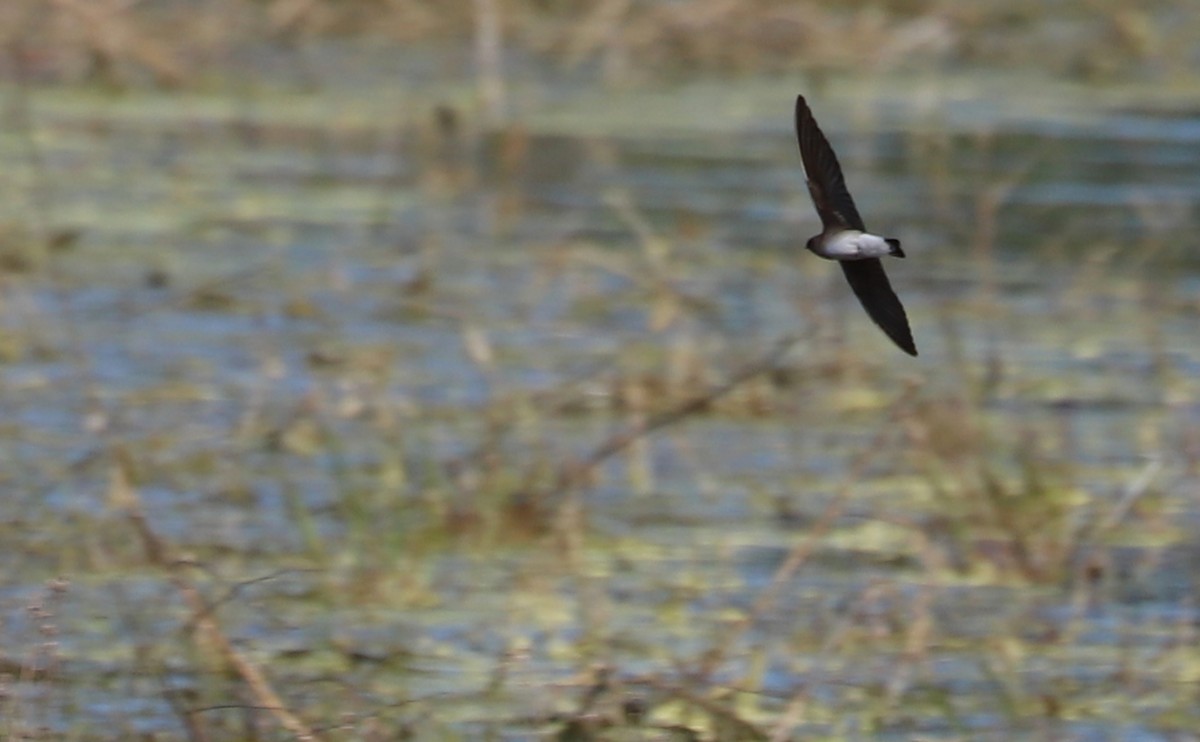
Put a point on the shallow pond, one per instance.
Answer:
(338, 349)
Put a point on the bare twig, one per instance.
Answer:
(575, 473)
(235, 590)
(1096, 526)
(206, 625)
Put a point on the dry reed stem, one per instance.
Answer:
(205, 624)
(489, 60)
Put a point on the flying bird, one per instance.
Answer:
(844, 237)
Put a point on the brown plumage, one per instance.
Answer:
(844, 237)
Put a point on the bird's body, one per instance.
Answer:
(845, 238)
(851, 244)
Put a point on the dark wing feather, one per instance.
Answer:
(871, 286)
(825, 181)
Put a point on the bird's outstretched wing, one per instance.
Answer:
(825, 181)
(874, 292)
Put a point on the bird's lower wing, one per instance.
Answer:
(874, 291)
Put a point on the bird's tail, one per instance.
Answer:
(895, 245)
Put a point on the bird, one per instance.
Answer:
(845, 238)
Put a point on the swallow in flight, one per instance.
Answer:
(845, 238)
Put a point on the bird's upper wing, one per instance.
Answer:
(825, 181)
(871, 286)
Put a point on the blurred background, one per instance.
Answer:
(401, 369)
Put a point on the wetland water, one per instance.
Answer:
(329, 347)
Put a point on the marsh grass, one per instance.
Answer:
(380, 420)
(122, 45)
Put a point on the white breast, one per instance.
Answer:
(855, 245)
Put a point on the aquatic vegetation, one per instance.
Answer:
(351, 414)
